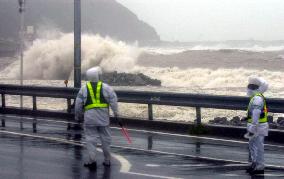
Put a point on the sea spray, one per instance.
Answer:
(220, 81)
(53, 58)
(169, 50)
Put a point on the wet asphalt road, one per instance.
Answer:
(53, 152)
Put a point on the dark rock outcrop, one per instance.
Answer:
(273, 126)
(270, 119)
(280, 122)
(219, 120)
(236, 121)
(128, 79)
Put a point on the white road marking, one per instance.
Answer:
(197, 137)
(271, 175)
(153, 176)
(187, 136)
(278, 167)
(231, 175)
(152, 165)
(236, 165)
(264, 175)
(125, 165)
(190, 165)
(44, 137)
(176, 154)
(41, 119)
(154, 132)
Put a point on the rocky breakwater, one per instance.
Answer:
(128, 79)
(237, 121)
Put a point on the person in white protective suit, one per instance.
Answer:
(257, 126)
(92, 102)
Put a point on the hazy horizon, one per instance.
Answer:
(208, 20)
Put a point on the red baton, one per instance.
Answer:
(125, 133)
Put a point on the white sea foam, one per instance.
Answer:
(51, 57)
(175, 50)
(200, 79)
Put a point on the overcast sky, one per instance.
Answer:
(201, 20)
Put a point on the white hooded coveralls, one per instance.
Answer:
(260, 130)
(96, 120)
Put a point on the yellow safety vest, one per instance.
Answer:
(93, 101)
(263, 115)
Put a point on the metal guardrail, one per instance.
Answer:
(150, 98)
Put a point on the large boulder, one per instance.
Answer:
(270, 119)
(128, 79)
(219, 120)
(280, 122)
(235, 121)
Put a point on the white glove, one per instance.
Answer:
(250, 136)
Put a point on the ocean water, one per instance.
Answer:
(218, 70)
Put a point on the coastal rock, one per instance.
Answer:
(235, 121)
(280, 120)
(219, 120)
(128, 79)
(270, 119)
(273, 126)
(244, 119)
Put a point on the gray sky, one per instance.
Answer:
(217, 20)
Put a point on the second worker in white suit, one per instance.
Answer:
(257, 126)
(93, 100)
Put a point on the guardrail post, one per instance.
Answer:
(198, 116)
(34, 125)
(150, 112)
(34, 103)
(69, 105)
(3, 100)
(34, 120)
(3, 123)
(21, 106)
(197, 148)
(150, 142)
(68, 111)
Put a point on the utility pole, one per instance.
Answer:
(77, 43)
(22, 31)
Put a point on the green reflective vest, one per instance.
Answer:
(95, 100)
(263, 115)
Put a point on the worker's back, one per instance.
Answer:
(98, 116)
